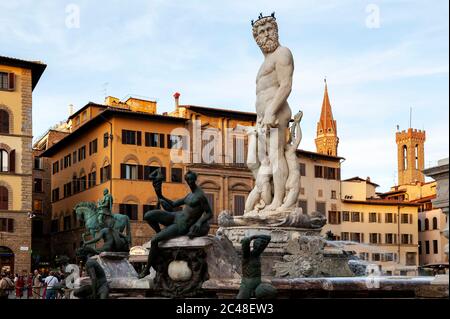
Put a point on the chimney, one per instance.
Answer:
(70, 108)
(177, 99)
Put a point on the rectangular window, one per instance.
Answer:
(105, 140)
(374, 238)
(92, 179)
(389, 257)
(376, 257)
(38, 163)
(74, 157)
(177, 175)
(67, 223)
(389, 238)
(55, 167)
(81, 153)
(67, 189)
(406, 239)
(7, 225)
(318, 171)
(302, 169)
(420, 248)
(333, 194)
(334, 218)
(131, 137)
(105, 173)
(388, 218)
(329, 172)
(131, 210)
(239, 205)
(154, 139)
(356, 237)
(4, 81)
(38, 185)
(210, 198)
(435, 247)
(372, 217)
(55, 194)
(93, 147)
(427, 247)
(405, 219)
(345, 216)
(320, 193)
(175, 141)
(128, 171)
(303, 204)
(345, 236)
(83, 182)
(54, 227)
(321, 208)
(356, 217)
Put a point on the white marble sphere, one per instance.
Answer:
(179, 270)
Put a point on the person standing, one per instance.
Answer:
(51, 282)
(19, 286)
(37, 284)
(6, 286)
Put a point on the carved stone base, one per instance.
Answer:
(185, 265)
(297, 252)
(119, 272)
(283, 218)
(277, 246)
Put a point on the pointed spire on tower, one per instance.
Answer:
(326, 140)
(326, 116)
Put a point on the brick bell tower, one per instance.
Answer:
(410, 156)
(326, 140)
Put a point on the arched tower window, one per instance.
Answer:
(4, 161)
(405, 157)
(416, 156)
(435, 223)
(4, 122)
(3, 197)
(427, 224)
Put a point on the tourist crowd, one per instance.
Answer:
(31, 286)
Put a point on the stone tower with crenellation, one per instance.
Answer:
(327, 140)
(410, 156)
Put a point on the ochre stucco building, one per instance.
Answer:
(18, 78)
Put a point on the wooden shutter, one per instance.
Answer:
(379, 217)
(12, 161)
(410, 219)
(4, 122)
(124, 137)
(161, 140)
(140, 172)
(123, 170)
(138, 138)
(3, 197)
(11, 81)
(362, 217)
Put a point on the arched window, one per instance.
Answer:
(4, 161)
(405, 157)
(427, 224)
(416, 156)
(435, 223)
(419, 224)
(4, 121)
(3, 197)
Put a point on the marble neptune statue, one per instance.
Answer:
(273, 86)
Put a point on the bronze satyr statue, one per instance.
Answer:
(251, 285)
(193, 220)
(98, 289)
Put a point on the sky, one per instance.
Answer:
(380, 59)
